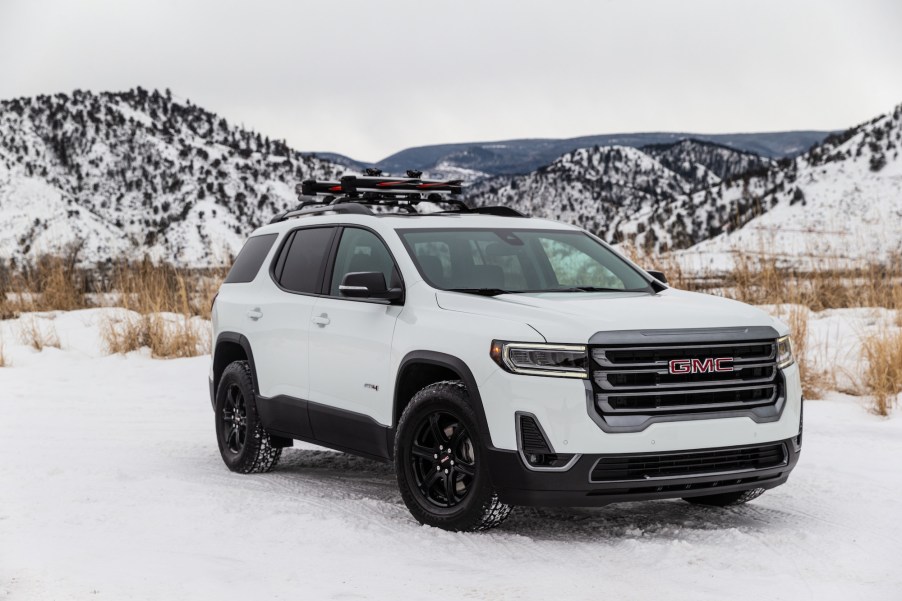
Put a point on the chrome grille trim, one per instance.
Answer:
(599, 355)
(601, 378)
(635, 379)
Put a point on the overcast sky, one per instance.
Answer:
(367, 79)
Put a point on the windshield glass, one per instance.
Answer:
(496, 261)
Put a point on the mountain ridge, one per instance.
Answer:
(140, 173)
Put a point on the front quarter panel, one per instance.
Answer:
(424, 326)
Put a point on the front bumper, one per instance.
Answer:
(564, 408)
(518, 485)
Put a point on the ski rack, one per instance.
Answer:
(355, 194)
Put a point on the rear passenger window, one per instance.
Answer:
(249, 260)
(304, 260)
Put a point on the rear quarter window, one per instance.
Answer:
(249, 260)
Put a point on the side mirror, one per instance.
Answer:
(367, 284)
(658, 275)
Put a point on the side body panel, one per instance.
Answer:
(350, 356)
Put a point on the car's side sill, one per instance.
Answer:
(338, 429)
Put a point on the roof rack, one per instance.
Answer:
(354, 194)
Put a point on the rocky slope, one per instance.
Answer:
(137, 173)
(628, 194)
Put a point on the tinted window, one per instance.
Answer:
(249, 260)
(361, 250)
(518, 261)
(305, 259)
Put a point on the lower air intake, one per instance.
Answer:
(649, 466)
(536, 450)
(531, 438)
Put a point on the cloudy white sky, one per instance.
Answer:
(369, 78)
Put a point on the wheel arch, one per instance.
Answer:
(419, 369)
(231, 347)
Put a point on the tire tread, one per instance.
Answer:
(260, 456)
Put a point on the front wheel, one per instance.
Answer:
(439, 462)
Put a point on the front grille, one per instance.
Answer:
(647, 466)
(636, 380)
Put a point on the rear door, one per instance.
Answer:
(282, 320)
(350, 339)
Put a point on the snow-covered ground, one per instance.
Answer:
(111, 487)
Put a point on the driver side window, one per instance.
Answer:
(359, 251)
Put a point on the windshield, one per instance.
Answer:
(497, 261)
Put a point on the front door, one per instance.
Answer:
(350, 339)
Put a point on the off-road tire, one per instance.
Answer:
(257, 453)
(726, 499)
(480, 508)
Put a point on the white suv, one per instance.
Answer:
(497, 360)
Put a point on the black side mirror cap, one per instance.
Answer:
(658, 275)
(368, 284)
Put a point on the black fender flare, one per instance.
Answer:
(242, 341)
(451, 363)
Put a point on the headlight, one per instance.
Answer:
(559, 360)
(784, 352)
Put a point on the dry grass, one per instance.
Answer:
(829, 285)
(4, 362)
(761, 279)
(38, 335)
(49, 283)
(882, 356)
(163, 301)
(167, 336)
(814, 381)
(148, 288)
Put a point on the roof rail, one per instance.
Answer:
(346, 208)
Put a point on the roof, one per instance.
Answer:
(419, 221)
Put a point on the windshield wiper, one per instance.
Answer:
(586, 289)
(484, 291)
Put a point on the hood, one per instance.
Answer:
(574, 317)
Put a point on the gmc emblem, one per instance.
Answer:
(699, 366)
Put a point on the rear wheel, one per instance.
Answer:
(438, 459)
(244, 445)
(726, 499)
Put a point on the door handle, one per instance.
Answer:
(321, 320)
(255, 313)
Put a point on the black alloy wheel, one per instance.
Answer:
(234, 419)
(244, 445)
(442, 459)
(440, 462)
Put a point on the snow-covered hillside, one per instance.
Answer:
(142, 173)
(840, 201)
(704, 164)
(628, 194)
(842, 198)
(138, 172)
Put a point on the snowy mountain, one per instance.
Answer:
(518, 157)
(142, 173)
(840, 201)
(137, 173)
(842, 198)
(704, 164)
(628, 194)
